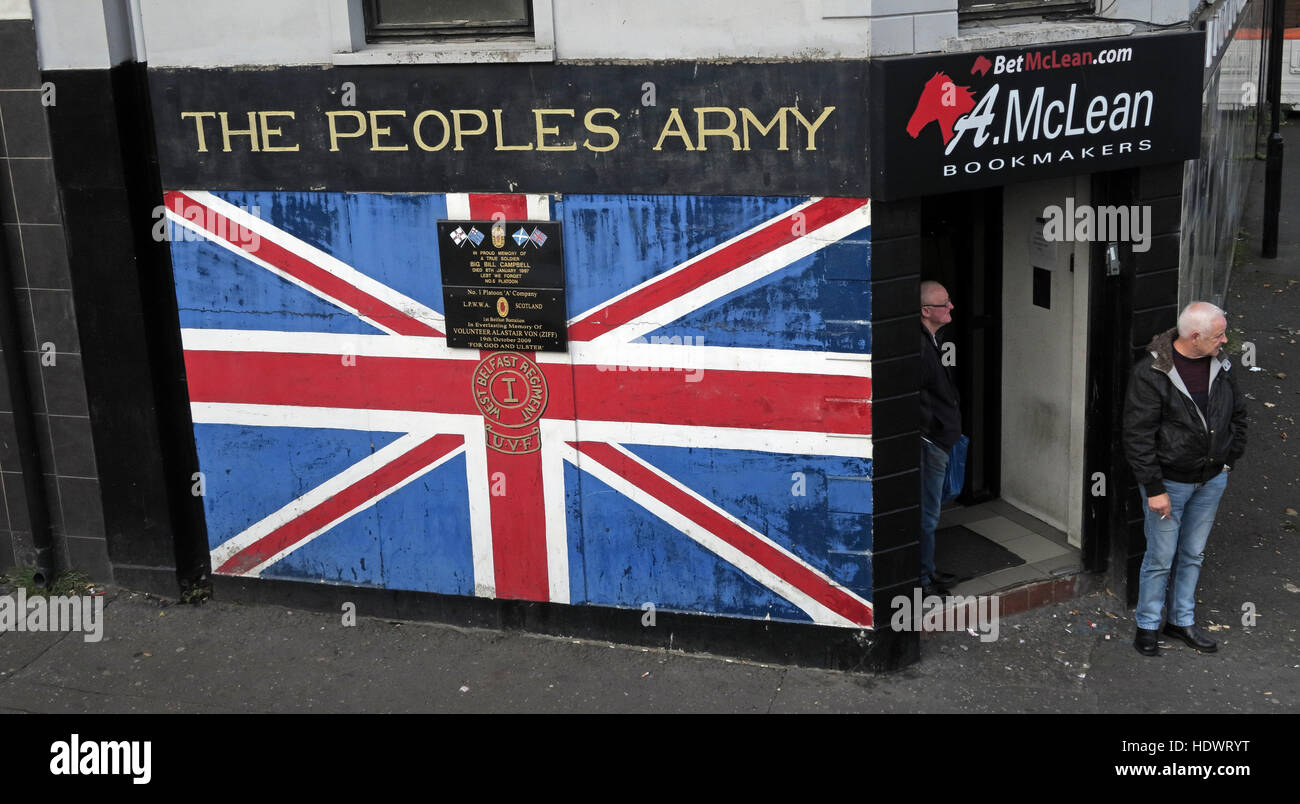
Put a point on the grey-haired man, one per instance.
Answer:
(1184, 429)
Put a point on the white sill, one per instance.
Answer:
(507, 51)
(994, 34)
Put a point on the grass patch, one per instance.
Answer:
(68, 583)
(197, 593)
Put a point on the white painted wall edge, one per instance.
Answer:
(15, 10)
(82, 34)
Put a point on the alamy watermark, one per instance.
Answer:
(204, 224)
(974, 613)
(689, 375)
(1085, 223)
(81, 613)
(77, 757)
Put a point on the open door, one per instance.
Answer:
(1020, 327)
(962, 249)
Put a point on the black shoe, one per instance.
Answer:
(1192, 636)
(945, 578)
(935, 589)
(1146, 642)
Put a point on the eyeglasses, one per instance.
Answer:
(946, 303)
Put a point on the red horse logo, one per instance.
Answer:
(941, 101)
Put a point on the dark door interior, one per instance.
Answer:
(961, 247)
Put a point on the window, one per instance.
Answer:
(441, 31)
(437, 20)
(1007, 8)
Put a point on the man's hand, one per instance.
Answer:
(1160, 504)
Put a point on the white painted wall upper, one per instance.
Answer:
(81, 34)
(15, 10)
(190, 33)
(691, 29)
(185, 33)
(199, 33)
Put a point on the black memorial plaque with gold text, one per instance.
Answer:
(503, 285)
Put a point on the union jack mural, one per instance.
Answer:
(704, 445)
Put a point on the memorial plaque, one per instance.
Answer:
(503, 285)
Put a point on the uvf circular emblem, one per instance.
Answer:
(510, 391)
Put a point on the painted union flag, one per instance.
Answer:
(703, 446)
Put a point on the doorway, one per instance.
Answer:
(961, 248)
(1020, 325)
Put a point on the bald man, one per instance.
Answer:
(1184, 429)
(940, 427)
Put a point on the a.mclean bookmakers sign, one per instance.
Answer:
(961, 121)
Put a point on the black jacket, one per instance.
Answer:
(940, 402)
(1165, 435)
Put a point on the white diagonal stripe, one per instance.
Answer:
(321, 494)
(683, 266)
(739, 277)
(309, 253)
(819, 612)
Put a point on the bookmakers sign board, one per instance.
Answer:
(968, 120)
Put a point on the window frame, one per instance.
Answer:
(992, 9)
(381, 33)
(348, 44)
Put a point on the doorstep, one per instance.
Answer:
(1042, 593)
(1026, 596)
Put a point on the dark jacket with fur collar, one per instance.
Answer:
(1165, 435)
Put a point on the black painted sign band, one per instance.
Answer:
(676, 127)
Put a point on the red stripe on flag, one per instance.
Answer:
(803, 578)
(308, 380)
(778, 233)
(519, 511)
(362, 491)
(482, 206)
(221, 227)
(759, 400)
(518, 525)
(763, 400)
(375, 383)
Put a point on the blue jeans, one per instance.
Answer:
(934, 465)
(1172, 563)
